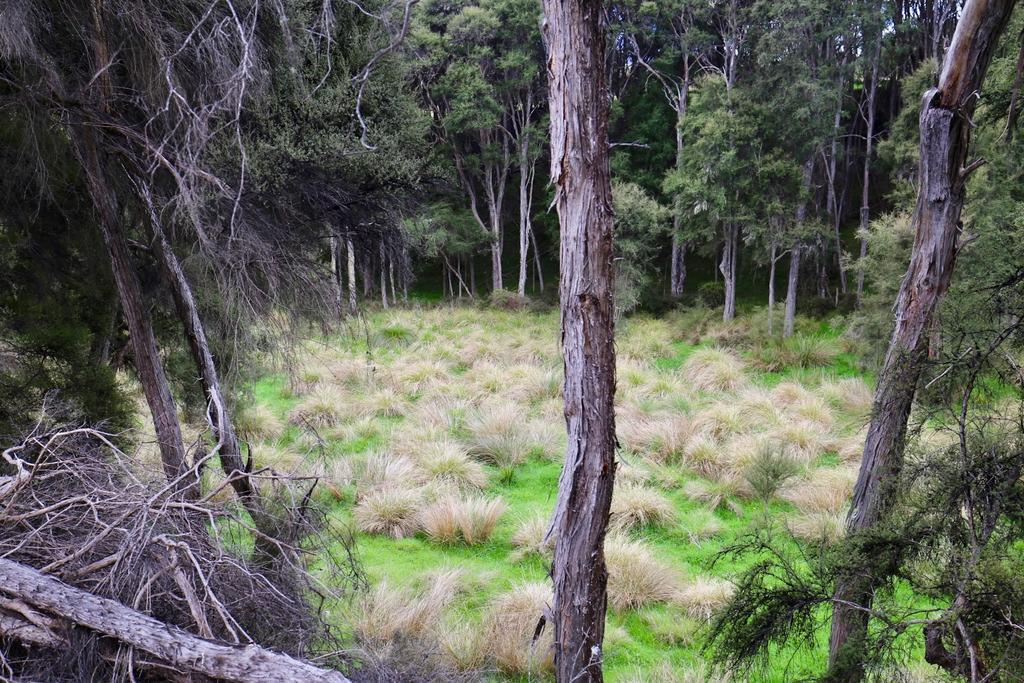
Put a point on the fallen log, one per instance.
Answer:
(177, 648)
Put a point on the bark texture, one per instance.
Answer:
(945, 138)
(574, 35)
(64, 605)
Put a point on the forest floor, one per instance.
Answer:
(439, 432)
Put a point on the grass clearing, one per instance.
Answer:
(438, 433)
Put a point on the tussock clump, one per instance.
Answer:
(723, 420)
(417, 375)
(852, 395)
(645, 338)
(387, 613)
(701, 525)
(745, 449)
(826, 527)
(705, 456)
(277, 457)
(528, 538)
(497, 436)
(662, 438)
(469, 520)
(389, 512)
(351, 372)
(446, 462)
(635, 506)
(464, 646)
(814, 412)
(713, 369)
(701, 597)
(635, 577)
(381, 470)
(510, 622)
(758, 406)
(672, 628)
(788, 393)
(438, 412)
(715, 494)
(798, 440)
(824, 490)
(324, 407)
(258, 423)
(851, 449)
(383, 402)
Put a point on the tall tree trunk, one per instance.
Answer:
(383, 277)
(525, 195)
(795, 254)
(771, 290)
(945, 141)
(869, 147)
(574, 33)
(353, 305)
(1014, 109)
(728, 268)
(833, 199)
(145, 351)
(336, 276)
(792, 284)
(472, 276)
(677, 276)
(217, 415)
(536, 261)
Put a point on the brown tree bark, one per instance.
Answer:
(869, 146)
(727, 266)
(574, 36)
(353, 305)
(145, 352)
(1014, 109)
(945, 141)
(64, 605)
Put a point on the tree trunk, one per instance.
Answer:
(793, 283)
(383, 277)
(1014, 109)
(574, 33)
(353, 305)
(945, 137)
(217, 415)
(536, 261)
(771, 290)
(678, 271)
(170, 644)
(336, 277)
(525, 196)
(728, 268)
(145, 351)
(833, 199)
(869, 146)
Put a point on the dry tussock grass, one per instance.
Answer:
(635, 576)
(722, 420)
(852, 395)
(636, 506)
(510, 621)
(701, 597)
(258, 423)
(389, 512)
(714, 369)
(387, 613)
(827, 527)
(447, 462)
(325, 406)
(661, 438)
(383, 470)
(469, 520)
(824, 490)
(528, 538)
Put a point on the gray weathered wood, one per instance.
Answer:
(574, 36)
(170, 644)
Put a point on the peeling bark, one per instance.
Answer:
(574, 36)
(945, 141)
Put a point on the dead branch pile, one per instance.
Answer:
(77, 508)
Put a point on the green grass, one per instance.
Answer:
(639, 640)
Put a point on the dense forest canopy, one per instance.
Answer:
(200, 201)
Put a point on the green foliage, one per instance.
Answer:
(641, 224)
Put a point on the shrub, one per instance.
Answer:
(510, 622)
(711, 294)
(714, 369)
(471, 520)
(507, 300)
(635, 577)
(769, 471)
(391, 512)
(635, 506)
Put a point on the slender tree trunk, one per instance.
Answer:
(472, 275)
(145, 351)
(391, 277)
(945, 140)
(833, 199)
(792, 285)
(869, 146)
(677, 275)
(1014, 110)
(353, 305)
(525, 195)
(383, 277)
(339, 285)
(536, 261)
(574, 32)
(728, 268)
(771, 290)
(217, 415)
